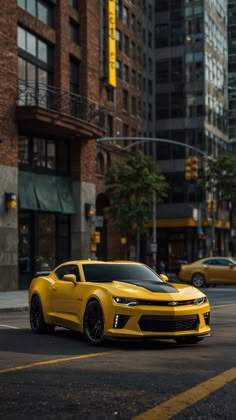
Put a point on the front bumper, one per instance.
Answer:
(145, 322)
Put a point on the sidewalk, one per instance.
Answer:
(14, 301)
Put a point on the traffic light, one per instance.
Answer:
(194, 168)
(209, 206)
(191, 168)
(214, 206)
(188, 169)
(89, 211)
(95, 237)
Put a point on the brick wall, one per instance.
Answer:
(8, 83)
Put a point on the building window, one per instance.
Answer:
(133, 51)
(74, 31)
(125, 100)
(118, 9)
(126, 45)
(125, 16)
(118, 69)
(110, 94)
(100, 164)
(126, 73)
(134, 78)
(74, 75)
(34, 69)
(40, 9)
(43, 153)
(132, 23)
(118, 40)
(133, 105)
(110, 125)
(74, 4)
(74, 86)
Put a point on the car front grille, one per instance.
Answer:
(168, 323)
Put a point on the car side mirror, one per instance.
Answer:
(164, 277)
(70, 277)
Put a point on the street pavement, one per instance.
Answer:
(14, 301)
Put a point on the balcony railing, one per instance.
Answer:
(51, 98)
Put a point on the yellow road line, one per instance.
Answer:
(53, 361)
(175, 405)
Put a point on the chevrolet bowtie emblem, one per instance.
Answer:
(172, 303)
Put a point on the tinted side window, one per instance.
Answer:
(67, 269)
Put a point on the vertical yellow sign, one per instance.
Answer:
(111, 43)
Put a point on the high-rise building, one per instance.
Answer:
(191, 109)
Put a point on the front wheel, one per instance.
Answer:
(188, 340)
(94, 323)
(37, 323)
(198, 280)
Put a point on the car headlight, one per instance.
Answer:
(126, 301)
(199, 301)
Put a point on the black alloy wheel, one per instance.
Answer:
(37, 323)
(94, 323)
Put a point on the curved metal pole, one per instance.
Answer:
(139, 140)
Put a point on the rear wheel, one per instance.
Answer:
(94, 323)
(198, 280)
(188, 340)
(37, 323)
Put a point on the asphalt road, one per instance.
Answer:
(61, 376)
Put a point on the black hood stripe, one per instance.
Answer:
(153, 286)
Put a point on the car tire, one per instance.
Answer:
(188, 340)
(93, 324)
(198, 280)
(37, 323)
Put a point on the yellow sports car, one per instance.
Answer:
(211, 270)
(119, 299)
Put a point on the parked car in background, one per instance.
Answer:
(117, 300)
(207, 271)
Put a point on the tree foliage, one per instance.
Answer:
(130, 186)
(220, 175)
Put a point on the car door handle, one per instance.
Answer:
(53, 287)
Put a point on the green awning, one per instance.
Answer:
(27, 197)
(46, 192)
(64, 189)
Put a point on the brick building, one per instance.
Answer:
(55, 101)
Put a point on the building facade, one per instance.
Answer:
(50, 119)
(56, 100)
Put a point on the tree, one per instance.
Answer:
(220, 176)
(130, 186)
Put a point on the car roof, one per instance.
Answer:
(89, 261)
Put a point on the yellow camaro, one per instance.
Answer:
(119, 299)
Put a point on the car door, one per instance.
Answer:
(219, 271)
(66, 297)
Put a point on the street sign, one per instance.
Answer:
(153, 247)
(98, 221)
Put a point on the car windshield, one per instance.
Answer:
(110, 272)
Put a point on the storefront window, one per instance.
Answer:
(25, 246)
(45, 259)
(23, 150)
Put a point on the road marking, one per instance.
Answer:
(53, 361)
(175, 405)
(9, 326)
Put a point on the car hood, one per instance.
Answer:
(151, 290)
